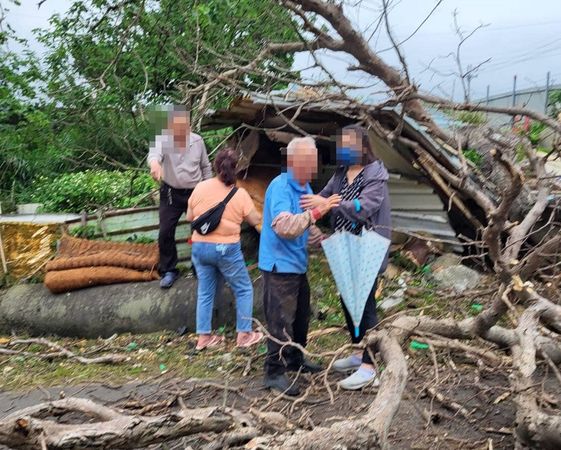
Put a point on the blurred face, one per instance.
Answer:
(180, 125)
(304, 163)
(349, 148)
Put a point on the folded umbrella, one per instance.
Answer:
(355, 262)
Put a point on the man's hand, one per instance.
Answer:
(328, 203)
(156, 170)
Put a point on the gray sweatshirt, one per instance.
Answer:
(182, 169)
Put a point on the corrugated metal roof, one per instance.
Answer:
(416, 207)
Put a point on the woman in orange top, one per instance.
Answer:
(219, 252)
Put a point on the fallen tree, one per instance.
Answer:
(506, 237)
(31, 309)
(527, 273)
(110, 429)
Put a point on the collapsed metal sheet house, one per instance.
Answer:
(421, 201)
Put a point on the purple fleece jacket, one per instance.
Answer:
(374, 198)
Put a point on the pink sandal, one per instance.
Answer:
(213, 342)
(254, 338)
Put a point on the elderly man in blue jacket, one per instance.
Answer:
(283, 261)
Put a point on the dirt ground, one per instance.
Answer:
(483, 392)
(452, 400)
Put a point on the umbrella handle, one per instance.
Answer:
(357, 332)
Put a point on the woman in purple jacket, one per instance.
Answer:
(362, 182)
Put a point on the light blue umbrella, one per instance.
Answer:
(355, 262)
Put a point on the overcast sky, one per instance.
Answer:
(522, 37)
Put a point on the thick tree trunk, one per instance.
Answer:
(113, 429)
(371, 430)
(133, 307)
(534, 427)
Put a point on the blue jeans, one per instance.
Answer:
(210, 261)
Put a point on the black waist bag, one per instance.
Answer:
(208, 222)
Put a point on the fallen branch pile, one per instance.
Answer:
(110, 428)
(56, 352)
(523, 248)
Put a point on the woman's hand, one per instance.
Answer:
(324, 205)
(332, 202)
(310, 201)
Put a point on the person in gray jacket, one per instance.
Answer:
(178, 159)
(362, 183)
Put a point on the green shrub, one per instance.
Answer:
(554, 103)
(216, 139)
(84, 231)
(91, 189)
(535, 132)
(140, 239)
(470, 117)
(473, 155)
(7, 204)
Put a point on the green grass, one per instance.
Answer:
(324, 294)
(156, 355)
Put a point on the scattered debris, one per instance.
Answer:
(392, 272)
(458, 278)
(444, 261)
(501, 397)
(477, 307)
(396, 298)
(417, 251)
(132, 346)
(416, 345)
(57, 351)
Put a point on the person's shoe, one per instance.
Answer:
(306, 367)
(246, 340)
(209, 341)
(168, 279)
(282, 384)
(347, 364)
(361, 378)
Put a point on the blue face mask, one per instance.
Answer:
(348, 156)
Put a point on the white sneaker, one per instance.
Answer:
(361, 378)
(347, 364)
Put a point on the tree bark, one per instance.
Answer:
(111, 430)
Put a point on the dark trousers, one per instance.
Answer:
(286, 301)
(369, 320)
(173, 203)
